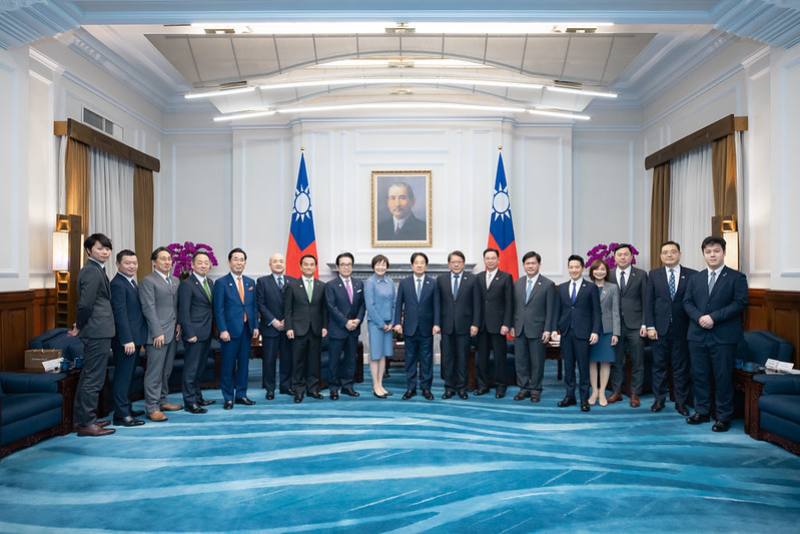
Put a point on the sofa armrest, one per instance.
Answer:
(30, 382)
(779, 384)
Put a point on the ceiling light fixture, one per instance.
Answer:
(502, 28)
(559, 114)
(400, 81)
(220, 92)
(245, 115)
(584, 92)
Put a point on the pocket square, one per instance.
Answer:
(250, 288)
(359, 290)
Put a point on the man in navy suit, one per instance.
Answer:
(667, 323)
(346, 308)
(130, 337)
(497, 303)
(234, 299)
(715, 299)
(195, 315)
(275, 345)
(460, 314)
(416, 315)
(579, 325)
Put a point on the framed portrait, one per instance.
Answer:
(401, 209)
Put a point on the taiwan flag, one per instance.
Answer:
(501, 227)
(301, 232)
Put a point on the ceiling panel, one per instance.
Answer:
(295, 50)
(371, 44)
(176, 50)
(586, 57)
(505, 51)
(329, 47)
(545, 55)
(624, 50)
(422, 43)
(256, 55)
(215, 59)
(465, 46)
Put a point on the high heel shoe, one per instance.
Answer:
(379, 396)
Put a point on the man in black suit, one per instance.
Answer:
(275, 344)
(534, 313)
(632, 284)
(460, 315)
(306, 319)
(667, 323)
(495, 288)
(346, 309)
(195, 315)
(579, 323)
(715, 299)
(95, 326)
(130, 338)
(402, 224)
(416, 316)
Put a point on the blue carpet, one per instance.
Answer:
(480, 465)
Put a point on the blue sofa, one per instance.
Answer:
(759, 345)
(778, 418)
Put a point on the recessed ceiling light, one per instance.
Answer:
(245, 115)
(220, 92)
(577, 91)
(559, 114)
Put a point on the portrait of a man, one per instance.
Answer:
(401, 208)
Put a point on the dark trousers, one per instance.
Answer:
(342, 362)
(275, 348)
(671, 351)
(124, 367)
(195, 356)
(575, 351)
(305, 363)
(419, 351)
(629, 342)
(496, 344)
(454, 361)
(712, 373)
(93, 376)
(529, 363)
(235, 361)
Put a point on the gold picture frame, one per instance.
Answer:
(405, 219)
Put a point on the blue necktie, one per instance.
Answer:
(712, 281)
(529, 290)
(622, 282)
(419, 287)
(574, 292)
(672, 284)
(455, 286)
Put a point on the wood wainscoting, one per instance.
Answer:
(23, 315)
(778, 312)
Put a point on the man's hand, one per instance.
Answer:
(436, 330)
(473, 330)
(277, 325)
(324, 332)
(614, 341)
(643, 331)
(593, 338)
(74, 331)
(545, 337)
(290, 334)
(398, 329)
(504, 331)
(256, 333)
(130, 348)
(351, 325)
(192, 339)
(652, 334)
(388, 327)
(224, 336)
(706, 322)
(158, 341)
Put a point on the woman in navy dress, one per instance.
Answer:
(602, 353)
(380, 293)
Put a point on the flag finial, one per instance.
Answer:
(302, 149)
(499, 147)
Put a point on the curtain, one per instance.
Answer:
(724, 173)
(691, 203)
(77, 186)
(659, 212)
(112, 202)
(143, 218)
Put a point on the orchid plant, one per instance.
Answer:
(182, 256)
(604, 252)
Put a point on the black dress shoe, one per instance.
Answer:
(481, 391)
(721, 426)
(427, 394)
(128, 421)
(567, 401)
(206, 402)
(137, 413)
(657, 406)
(379, 396)
(195, 408)
(697, 419)
(522, 395)
(228, 405)
(409, 393)
(448, 395)
(463, 395)
(585, 406)
(350, 392)
(334, 395)
(500, 392)
(315, 395)
(245, 401)
(270, 395)
(681, 409)
(298, 399)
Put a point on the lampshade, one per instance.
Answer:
(60, 251)
(731, 249)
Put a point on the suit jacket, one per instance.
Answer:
(417, 316)
(459, 313)
(497, 302)
(340, 310)
(725, 305)
(536, 316)
(269, 301)
(582, 318)
(230, 311)
(661, 310)
(159, 305)
(195, 311)
(128, 318)
(609, 308)
(632, 300)
(95, 317)
(303, 316)
(413, 230)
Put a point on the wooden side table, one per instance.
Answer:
(751, 390)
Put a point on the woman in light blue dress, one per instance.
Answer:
(380, 293)
(602, 353)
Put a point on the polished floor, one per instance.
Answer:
(370, 465)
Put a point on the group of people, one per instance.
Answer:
(692, 319)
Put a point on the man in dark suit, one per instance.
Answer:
(344, 298)
(95, 325)
(534, 313)
(130, 338)
(715, 299)
(275, 344)
(416, 316)
(306, 324)
(579, 323)
(195, 315)
(402, 224)
(667, 323)
(234, 300)
(632, 284)
(460, 314)
(495, 288)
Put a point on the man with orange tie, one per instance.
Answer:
(234, 301)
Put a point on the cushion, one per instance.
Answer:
(29, 426)
(760, 345)
(24, 405)
(57, 338)
(783, 406)
(780, 426)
